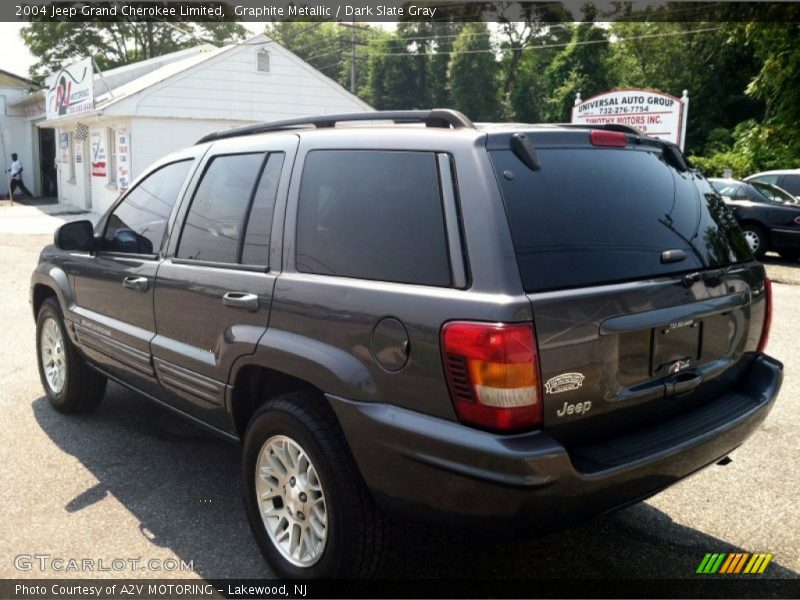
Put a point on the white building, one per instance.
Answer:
(18, 132)
(147, 109)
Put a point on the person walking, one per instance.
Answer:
(16, 176)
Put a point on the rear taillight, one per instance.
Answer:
(797, 220)
(492, 371)
(767, 315)
(599, 137)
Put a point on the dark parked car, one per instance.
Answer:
(508, 330)
(786, 179)
(770, 220)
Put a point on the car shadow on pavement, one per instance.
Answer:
(184, 487)
(776, 259)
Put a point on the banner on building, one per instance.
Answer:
(71, 90)
(123, 159)
(654, 113)
(98, 151)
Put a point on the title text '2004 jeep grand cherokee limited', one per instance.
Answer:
(502, 328)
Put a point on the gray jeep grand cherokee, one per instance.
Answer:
(507, 328)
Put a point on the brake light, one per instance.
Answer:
(767, 315)
(599, 137)
(492, 371)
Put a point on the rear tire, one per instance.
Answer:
(295, 461)
(756, 239)
(70, 384)
(790, 254)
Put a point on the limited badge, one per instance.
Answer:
(564, 383)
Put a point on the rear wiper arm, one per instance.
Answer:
(713, 277)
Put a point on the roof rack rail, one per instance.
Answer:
(437, 117)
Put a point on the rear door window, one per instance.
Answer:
(372, 215)
(591, 216)
(791, 183)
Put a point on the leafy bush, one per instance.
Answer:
(756, 147)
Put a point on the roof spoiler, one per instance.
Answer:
(437, 117)
(672, 153)
(606, 126)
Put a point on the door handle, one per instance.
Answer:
(683, 383)
(241, 300)
(139, 284)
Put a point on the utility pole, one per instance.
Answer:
(353, 43)
(353, 58)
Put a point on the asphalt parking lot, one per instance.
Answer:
(133, 482)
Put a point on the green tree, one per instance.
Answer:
(709, 60)
(430, 43)
(528, 92)
(522, 39)
(393, 78)
(584, 66)
(776, 140)
(115, 44)
(473, 74)
(328, 47)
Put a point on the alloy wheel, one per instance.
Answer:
(54, 359)
(291, 501)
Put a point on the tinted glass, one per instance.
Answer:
(137, 225)
(775, 194)
(372, 215)
(791, 183)
(592, 216)
(259, 223)
(216, 218)
(766, 179)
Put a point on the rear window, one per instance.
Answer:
(591, 216)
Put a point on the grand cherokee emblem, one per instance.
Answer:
(564, 383)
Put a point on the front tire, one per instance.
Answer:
(307, 504)
(70, 384)
(756, 239)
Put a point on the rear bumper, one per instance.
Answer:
(432, 469)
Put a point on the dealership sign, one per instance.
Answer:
(654, 113)
(71, 90)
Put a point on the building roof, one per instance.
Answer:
(115, 85)
(8, 79)
(149, 77)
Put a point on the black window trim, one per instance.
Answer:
(435, 155)
(237, 266)
(447, 195)
(167, 232)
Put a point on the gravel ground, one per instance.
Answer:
(130, 481)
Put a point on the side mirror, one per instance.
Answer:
(77, 235)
